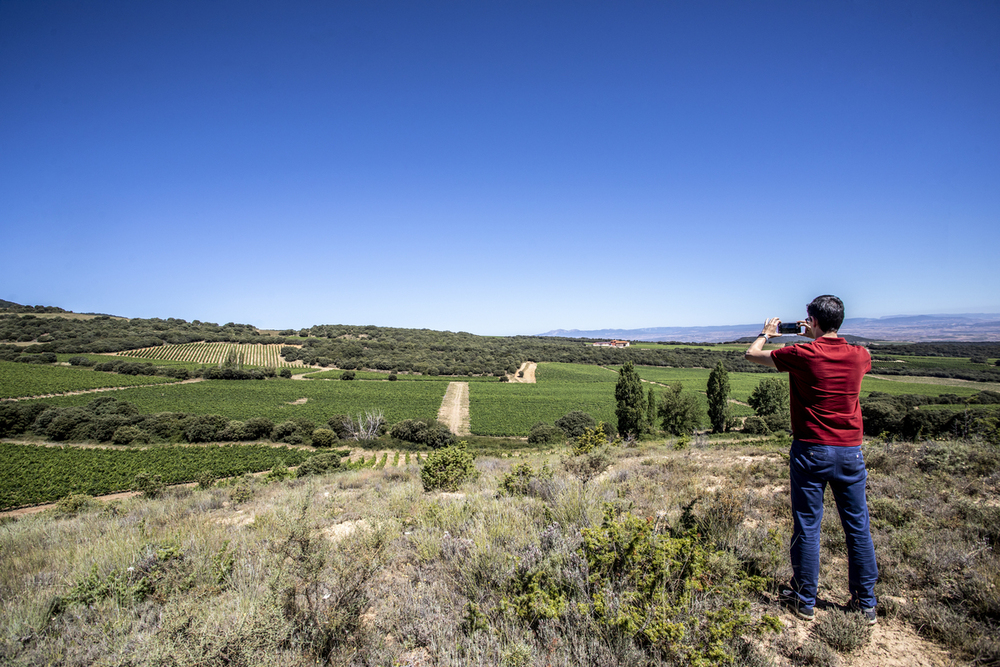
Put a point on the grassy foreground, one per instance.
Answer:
(670, 557)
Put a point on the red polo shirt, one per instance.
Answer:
(824, 379)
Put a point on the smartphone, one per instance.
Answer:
(790, 328)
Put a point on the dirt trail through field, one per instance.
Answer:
(454, 410)
(526, 373)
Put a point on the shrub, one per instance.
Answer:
(76, 503)
(126, 435)
(679, 412)
(68, 424)
(429, 432)
(320, 464)
(287, 432)
(545, 434)
(756, 426)
(243, 491)
(843, 632)
(575, 423)
(644, 584)
(769, 397)
(590, 439)
(323, 437)
(779, 421)
(279, 472)
(448, 468)
(204, 428)
(16, 418)
(234, 431)
(151, 486)
(258, 428)
(105, 426)
(393, 377)
(588, 465)
(81, 361)
(206, 479)
(341, 425)
(518, 481)
(285, 372)
(347, 375)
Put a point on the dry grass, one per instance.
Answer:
(364, 568)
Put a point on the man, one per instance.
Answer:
(825, 383)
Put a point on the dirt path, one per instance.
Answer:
(454, 410)
(526, 373)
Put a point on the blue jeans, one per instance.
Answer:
(812, 467)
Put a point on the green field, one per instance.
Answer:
(35, 474)
(273, 399)
(928, 363)
(574, 374)
(497, 408)
(512, 408)
(18, 380)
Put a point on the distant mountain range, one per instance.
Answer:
(915, 328)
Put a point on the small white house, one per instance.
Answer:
(612, 343)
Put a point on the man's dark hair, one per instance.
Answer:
(828, 311)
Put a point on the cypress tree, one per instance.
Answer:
(718, 398)
(631, 399)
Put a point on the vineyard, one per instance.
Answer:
(281, 400)
(216, 353)
(37, 474)
(18, 380)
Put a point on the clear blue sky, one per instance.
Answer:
(499, 167)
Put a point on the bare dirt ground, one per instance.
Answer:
(526, 373)
(892, 644)
(454, 411)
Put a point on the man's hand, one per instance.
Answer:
(771, 328)
(756, 353)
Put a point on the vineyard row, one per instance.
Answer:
(216, 353)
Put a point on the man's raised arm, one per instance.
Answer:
(756, 352)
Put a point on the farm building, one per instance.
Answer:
(612, 343)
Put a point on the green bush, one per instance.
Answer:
(244, 490)
(323, 437)
(755, 425)
(287, 432)
(518, 481)
(644, 584)
(575, 423)
(285, 372)
(590, 439)
(76, 503)
(769, 397)
(126, 435)
(206, 479)
(545, 434)
(320, 464)
(428, 432)
(151, 486)
(679, 412)
(448, 468)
